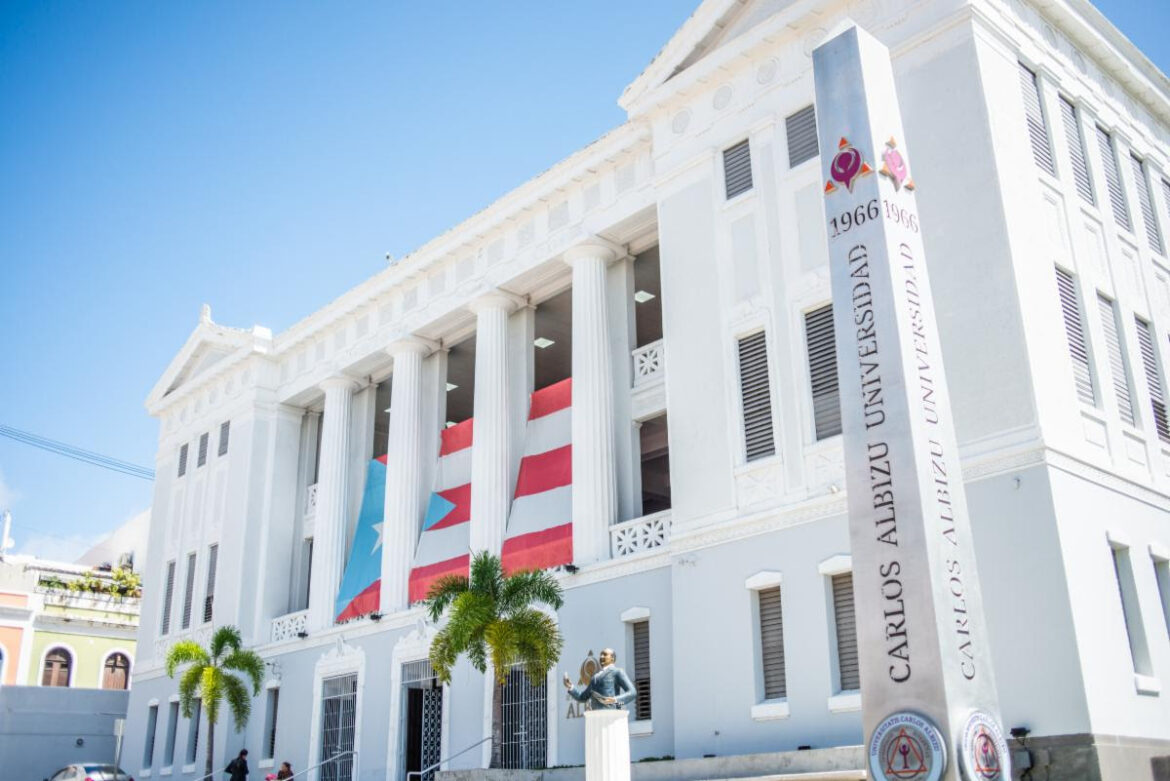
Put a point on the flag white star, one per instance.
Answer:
(378, 528)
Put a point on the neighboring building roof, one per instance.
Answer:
(129, 538)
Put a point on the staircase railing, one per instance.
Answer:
(422, 773)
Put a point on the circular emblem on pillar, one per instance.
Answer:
(906, 746)
(983, 753)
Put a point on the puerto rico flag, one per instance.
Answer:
(360, 586)
(445, 540)
(540, 524)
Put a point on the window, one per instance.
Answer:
(168, 598)
(225, 429)
(737, 169)
(755, 390)
(189, 592)
(654, 445)
(848, 671)
(1153, 378)
(116, 671)
(58, 666)
(172, 729)
(182, 460)
(270, 724)
(209, 597)
(1113, 178)
(1074, 331)
(1037, 127)
(822, 371)
(202, 449)
(338, 712)
(641, 631)
(1076, 150)
(801, 129)
(772, 643)
(151, 726)
(193, 731)
(1146, 203)
(1130, 609)
(1117, 364)
(307, 569)
(1162, 576)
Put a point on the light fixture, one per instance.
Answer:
(375, 616)
(642, 296)
(302, 634)
(451, 386)
(542, 343)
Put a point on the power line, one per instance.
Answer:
(77, 454)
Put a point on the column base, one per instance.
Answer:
(607, 745)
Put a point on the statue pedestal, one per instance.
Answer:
(607, 745)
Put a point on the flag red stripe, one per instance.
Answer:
(365, 602)
(456, 438)
(539, 550)
(460, 496)
(545, 471)
(421, 578)
(550, 399)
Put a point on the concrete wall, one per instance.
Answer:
(44, 729)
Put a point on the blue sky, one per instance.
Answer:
(262, 157)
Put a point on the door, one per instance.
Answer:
(423, 733)
(524, 722)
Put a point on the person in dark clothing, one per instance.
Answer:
(285, 771)
(237, 769)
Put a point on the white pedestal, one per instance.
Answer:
(607, 745)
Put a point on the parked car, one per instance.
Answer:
(90, 772)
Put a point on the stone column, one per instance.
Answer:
(332, 502)
(491, 483)
(594, 480)
(403, 508)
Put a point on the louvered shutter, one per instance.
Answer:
(1037, 129)
(846, 624)
(182, 460)
(756, 393)
(801, 129)
(224, 430)
(642, 669)
(151, 728)
(772, 643)
(737, 169)
(193, 731)
(822, 371)
(1117, 363)
(1113, 178)
(1146, 203)
(209, 597)
(168, 598)
(172, 728)
(1076, 150)
(189, 591)
(1153, 378)
(270, 724)
(202, 449)
(1166, 197)
(1074, 332)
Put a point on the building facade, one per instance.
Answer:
(625, 369)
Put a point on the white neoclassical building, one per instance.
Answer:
(624, 370)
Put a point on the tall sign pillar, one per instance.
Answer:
(928, 691)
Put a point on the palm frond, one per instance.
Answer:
(211, 692)
(523, 588)
(442, 593)
(443, 655)
(487, 574)
(189, 687)
(238, 700)
(225, 638)
(470, 613)
(248, 662)
(538, 642)
(501, 641)
(185, 652)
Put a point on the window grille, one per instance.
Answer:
(270, 723)
(1113, 179)
(737, 169)
(1076, 150)
(193, 731)
(641, 631)
(1074, 332)
(182, 460)
(1117, 362)
(172, 731)
(189, 593)
(801, 129)
(822, 371)
(225, 429)
(846, 625)
(1146, 203)
(168, 598)
(209, 597)
(202, 449)
(1153, 378)
(1037, 127)
(772, 643)
(338, 727)
(151, 726)
(525, 721)
(755, 390)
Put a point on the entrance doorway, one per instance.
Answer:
(525, 722)
(424, 718)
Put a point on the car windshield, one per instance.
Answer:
(104, 773)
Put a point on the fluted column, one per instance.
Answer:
(403, 508)
(490, 474)
(594, 480)
(332, 501)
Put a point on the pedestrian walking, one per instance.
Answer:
(237, 769)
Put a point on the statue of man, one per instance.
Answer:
(609, 689)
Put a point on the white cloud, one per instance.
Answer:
(8, 495)
(53, 547)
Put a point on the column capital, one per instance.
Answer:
(496, 299)
(594, 247)
(338, 382)
(412, 344)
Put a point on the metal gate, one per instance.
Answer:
(338, 713)
(524, 742)
(424, 717)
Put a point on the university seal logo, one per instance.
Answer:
(983, 753)
(847, 167)
(894, 166)
(906, 747)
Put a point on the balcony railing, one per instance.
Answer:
(289, 625)
(310, 500)
(641, 534)
(649, 363)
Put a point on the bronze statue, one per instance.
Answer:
(609, 689)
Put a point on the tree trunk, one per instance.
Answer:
(210, 748)
(497, 724)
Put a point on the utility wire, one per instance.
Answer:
(76, 453)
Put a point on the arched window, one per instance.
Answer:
(58, 666)
(116, 672)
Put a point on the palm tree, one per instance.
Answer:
(210, 678)
(492, 618)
